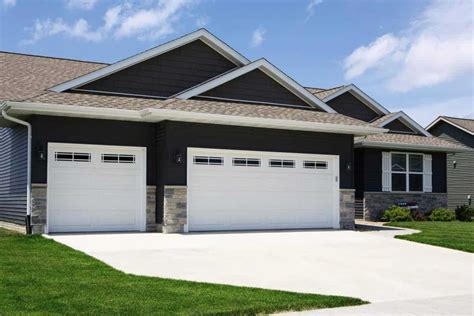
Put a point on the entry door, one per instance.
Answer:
(241, 190)
(95, 188)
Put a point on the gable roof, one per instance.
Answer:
(201, 34)
(405, 119)
(464, 124)
(328, 94)
(270, 70)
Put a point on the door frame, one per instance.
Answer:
(215, 151)
(142, 150)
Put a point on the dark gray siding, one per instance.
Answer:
(176, 137)
(90, 131)
(13, 171)
(255, 86)
(397, 126)
(370, 161)
(166, 74)
(349, 105)
(460, 178)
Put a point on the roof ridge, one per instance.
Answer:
(51, 57)
(457, 118)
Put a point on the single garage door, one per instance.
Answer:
(95, 188)
(239, 190)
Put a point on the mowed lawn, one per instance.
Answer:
(40, 276)
(454, 235)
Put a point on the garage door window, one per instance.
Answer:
(206, 160)
(246, 162)
(310, 164)
(118, 158)
(72, 156)
(281, 163)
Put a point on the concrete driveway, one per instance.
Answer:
(374, 267)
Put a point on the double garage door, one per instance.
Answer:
(103, 188)
(238, 190)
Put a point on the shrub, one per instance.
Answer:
(442, 215)
(418, 216)
(397, 214)
(464, 213)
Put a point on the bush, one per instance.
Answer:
(464, 213)
(418, 216)
(397, 214)
(442, 215)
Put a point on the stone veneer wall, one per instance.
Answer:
(377, 202)
(347, 209)
(38, 208)
(39, 200)
(175, 217)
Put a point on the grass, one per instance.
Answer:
(453, 235)
(40, 276)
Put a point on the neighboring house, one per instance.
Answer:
(460, 165)
(406, 166)
(192, 136)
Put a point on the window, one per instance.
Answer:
(281, 163)
(407, 172)
(206, 160)
(308, 164)
(72, 156)
(246, 162)
(118, 158)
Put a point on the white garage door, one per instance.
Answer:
(238, 190)
(95, 188)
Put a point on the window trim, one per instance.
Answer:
(317, 164)
(246, 159)
(407, 171)
(209, 158)
(282, 164)
(73, 156)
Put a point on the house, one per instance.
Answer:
(460, 165)
(192, 136)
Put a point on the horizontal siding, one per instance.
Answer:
(13, 168)
(460, 179)
(255, 86)
(166, 74)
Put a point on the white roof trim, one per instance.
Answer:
(450, 123)
(201, 34)
(391, 145)
(374, 105)
(407, 121)
(157, 115)
(269, 69)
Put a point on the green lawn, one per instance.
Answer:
(454, 235)
(40, 276)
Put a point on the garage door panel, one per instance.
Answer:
(95, 196)
(260, 197)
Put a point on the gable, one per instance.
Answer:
(399, 126)
(165, 74)
(347, 104)
(452, 133)
(255, 86)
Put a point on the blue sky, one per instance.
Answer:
(412, 55)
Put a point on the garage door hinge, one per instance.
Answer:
(337, 178)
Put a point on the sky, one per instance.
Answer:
(410, 55)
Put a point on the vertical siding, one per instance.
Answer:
(13, 172)
(460, 179)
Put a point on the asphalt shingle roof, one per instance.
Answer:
(462, 122)
(390, 138)
(321, 93)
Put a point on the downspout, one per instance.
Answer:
(5, 108)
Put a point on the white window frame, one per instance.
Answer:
(407, 171)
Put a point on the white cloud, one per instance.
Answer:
(426, 112)
(8, 3)
(310, 7)
(435, 48)
(202, 21)
(258, 36)
(81, 4)
(150, 21)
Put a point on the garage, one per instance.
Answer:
(95, 188)
(246, 190)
